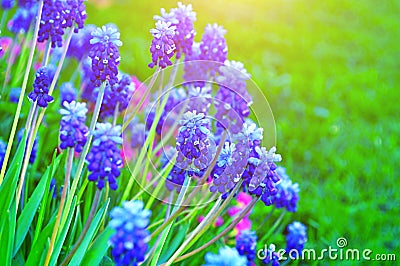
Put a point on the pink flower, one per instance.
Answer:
(243, 199)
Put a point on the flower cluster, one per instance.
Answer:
(288, 192)
(58, 15)
(41, 88)
(226, 256)
(270, 257)
(73, 130)
(104, 157)
(182, 18)
(130, 240)
(68, 92)
(246, 243)
(296, 237)
(105, 55)
(80, 43)
(199, 98)
(14, 95)
(162, 47)
(118, 94)
(7, 4)
(193, 142)
(22, 19)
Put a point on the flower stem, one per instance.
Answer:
(70, 160)
(85, 150)
(21, 96)
(116, 112)
(212, 241)
(82, 235)
(46, 54)
(28, 150)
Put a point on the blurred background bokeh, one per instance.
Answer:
(331, 73)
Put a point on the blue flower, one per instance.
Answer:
(14, 95)
(22, 19)
(193, 142)
(246, 243)
(130, 240)
(79, 46)
(7, 4)
(41, 88)
(226, 257)
(270, 256)
(104, 158)
(288, 192)
(138, 134)
(105, 55)
(73, 130)
(68, 92)
(162, 47)
(296, 237)
(199, 98)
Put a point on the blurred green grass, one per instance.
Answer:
(330, 71)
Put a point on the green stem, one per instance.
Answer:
(82, 235)
(85, 151)
(212, 241)
(21, 96)
(70, 160)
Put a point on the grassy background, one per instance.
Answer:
(330, 71)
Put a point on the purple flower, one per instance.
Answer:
(195, 71)
(3, 148)
(226, 256)
(73, 130)
(14, 95)
(41, 88)
(296, 237)
(22, 19)
(105, 55)
(213, 46)
(182, 18)
(138, 134)
(104, 158)
(199, 98)
(270, 256)
(120, 93)
(80, 42)
(162, 47)
(130, 241)
(246, 243)
(67, 92)
(74, 14)
(7, 4)
(288, 192)
(193, 142)
(26, 3)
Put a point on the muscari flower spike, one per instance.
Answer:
(14, 95)
(130, 241)
(138, 134)
(73, 131)
(246, 243)
(7, 4)
(226, 256)
(120, 93)
(213, 46)
(195, 71)
(41, 88)
(200, 98)
(288, 192)
(193, 142)
(104, 158)
(182, 18)
(270, 256)
(162, 47)
(105, 55)
(26, 3)
(79, 46)
(296, 237)
(22, 19)
(68, 92)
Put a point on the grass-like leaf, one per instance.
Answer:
(98, 250)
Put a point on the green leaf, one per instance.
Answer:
(80, 253)
(176, 242)
(7, 236)
(39, 248)
(28, 213)
(99, 248)
(62, 235)
(9, 185)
